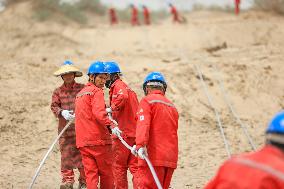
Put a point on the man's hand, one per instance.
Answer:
(116, 131)
(67, 115)
(142, 152)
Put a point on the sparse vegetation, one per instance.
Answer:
(46, 9)
(227, 8)
(270, 5)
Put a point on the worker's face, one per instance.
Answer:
(100, 80)
(68, 78)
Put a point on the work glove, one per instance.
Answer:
(142, 152)
(116, 131)
(133, 150)
(67, 115)
(109, 110)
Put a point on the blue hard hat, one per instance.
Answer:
(67, 62)
(155, 77)
(97, 68)
(277, 124)
(112, 67)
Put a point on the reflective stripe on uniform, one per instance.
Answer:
(84, 93)
(162, 102)
(260, 166)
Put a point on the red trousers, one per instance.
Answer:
(147, 181)
(68, 176)
(122, 160)
(97, 162)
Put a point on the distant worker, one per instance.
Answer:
(146, 15)
(113, 16)
(63, 105)
(134, 15)
(156, 133)
(124, 105)
(237, 6)
(263, 169)
(93, 130)
(175, 13)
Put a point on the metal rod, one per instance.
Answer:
(47, 153)
(154, 174)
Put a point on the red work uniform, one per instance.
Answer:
(63, 98)
(237, 6)
(263, 169)
(93, 137)
(124, 104)
(157, 125)
(175, 14)
(146, 14)
(113, 17)
(134, 17)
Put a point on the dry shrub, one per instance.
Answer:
(50, 9)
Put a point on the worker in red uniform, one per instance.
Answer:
(263, 169)
(146, 14)
(93, 129)
(113, 16)
(237, 6)
(124, 104)
(174, 13)
(134, 16)
(156, 133)
(62, 105)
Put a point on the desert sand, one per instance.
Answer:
(245, 53)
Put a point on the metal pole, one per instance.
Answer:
(154, 174)
(48, 152)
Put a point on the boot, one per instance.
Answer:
(82, 186)
(66, 186)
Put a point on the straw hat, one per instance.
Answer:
(66, 68)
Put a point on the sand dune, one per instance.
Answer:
(247, 52)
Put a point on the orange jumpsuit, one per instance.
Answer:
(124, 104)
(113, 17)
(134, 17)
(93, 137)
(146, 14)
(237, 6)
(157, 124)
(263, 169)
(175, 14)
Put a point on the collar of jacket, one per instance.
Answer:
(156, 92)
(90, 84)
(112, 85)
(274, 150)
(69, 86)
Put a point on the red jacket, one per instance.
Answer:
(91, 119)
(157, 125)
(263, 169)
(124, 103)
(146, 14)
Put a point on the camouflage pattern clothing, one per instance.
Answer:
(63, 98)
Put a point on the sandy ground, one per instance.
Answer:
(245, 53)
